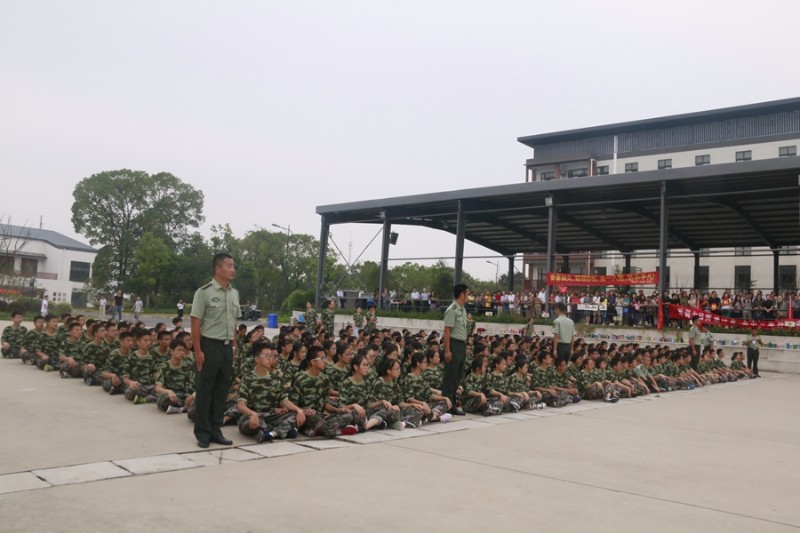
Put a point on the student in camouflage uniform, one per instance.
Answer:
(94, 356)
(520, 383)
(161, 352)
(63, 328)
(310, 317)
(357, 395)
(175, 381)
(372, 322)
(140, 371)
(473, 398)
(496, 386)
(358, 320)
(13, 345)
(31, 341)
(401, 414)
(299, 353)
(337, 372)
(116, 365)
(470, 325)
(71, 353)
(266, 410)
(310, 392)
(543, 380)
(49, 346)
(592, 385)
(435, 372)
(416, 390)
(328, 315)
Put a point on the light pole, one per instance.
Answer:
(288, 231)
(496, 271)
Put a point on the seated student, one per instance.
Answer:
(31, 341)
(520, 383)
(266, 411)
(175, 381)
(13, 337)
(116, 365)
(110, 342)
(563, 382)
(496, 385)
(544, 379)
(356, 394)
(62, 329)
(386, 388)
(615, 374)
(738, 366)
(473, 398)
(416, 390)
(639, 386)
(71, 352)
(140, 371)
(337, 372)
(592, 385)
(370, 353)
(49, 345)
(434, 374)
(161, 352)
(94, 355)
(310, 391)
(299, 352)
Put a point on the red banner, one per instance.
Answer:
(640, 278)
(682, 312)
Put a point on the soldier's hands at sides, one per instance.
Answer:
(254, 421)
(199, 359)
(448, 356)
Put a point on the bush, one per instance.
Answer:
(297, 301)
(60, 308)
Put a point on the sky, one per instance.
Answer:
(273, 108)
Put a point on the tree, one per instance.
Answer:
(153, 258)
(113, 209)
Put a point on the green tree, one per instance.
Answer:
(113, 209)
(153, 260)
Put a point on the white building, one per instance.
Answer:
(55, 264)
(754, 132)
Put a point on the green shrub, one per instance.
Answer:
(297, 301)
(60, 308)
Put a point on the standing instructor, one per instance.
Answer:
(214, 312)
(455, 346)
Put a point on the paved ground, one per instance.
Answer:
(720, 459)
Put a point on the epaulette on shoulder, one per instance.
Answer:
(207, 285)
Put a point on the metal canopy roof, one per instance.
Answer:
(753, 203)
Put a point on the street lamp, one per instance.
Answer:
(496, 270)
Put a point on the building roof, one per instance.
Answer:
(789, 104)
(53, 238)
(752, 203)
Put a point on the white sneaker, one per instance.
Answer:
(173, 410)
(445, 418)
(399, 425)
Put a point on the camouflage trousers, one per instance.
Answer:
(380, 412)
(597, 391)
(144, 391)
(163, 400)
(11, 353)
(41, 363)
(411, 416)
(73, 372)
(326, 425)
(28, 358)
(492, 406)
(559, 399)
(514, 404)
(280, 424)
(639, 389)
(438, 408)
(93, 377)
(111, 389)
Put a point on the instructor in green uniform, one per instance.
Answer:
(455, 346)
(214, 312)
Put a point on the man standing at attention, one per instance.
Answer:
(695, 340)
(563, 333)
(455, 346)
(215, 310)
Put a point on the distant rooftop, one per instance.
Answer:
(51, 237)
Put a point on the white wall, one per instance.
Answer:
(58, 263)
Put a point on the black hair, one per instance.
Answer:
(218, 260)
(477, 363)
(416, 359)
(458, 290)
(354, 362)
(177, 342)
(386, 365)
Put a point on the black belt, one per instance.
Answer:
(458, 340)
(217, 341)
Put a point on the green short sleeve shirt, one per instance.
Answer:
(218, 309)
(456, 317)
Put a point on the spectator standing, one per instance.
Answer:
(754, 343)
(45, 306)
(101, 308)
(181, 307)
(138, 307)
(118, 304)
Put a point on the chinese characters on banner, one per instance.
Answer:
(682, 312)
(639, 278)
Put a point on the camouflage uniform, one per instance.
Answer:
(392, 393)
(289, 373)
(335, 376)
(327, 319)
(31, 344)
(264, 394)
(16, 338)
(158, 357)
(361, 394)
(358, 321)
(117, 364)
(499, 383)
(310, 392)
(74, 350)
(471, 404)
(547, 378)
(372, 324)
(416, 388)
(310, 318)
(50, 345)
(141, 369)
(470, 326)
(179, 379)
(93, 354)
(433, 376)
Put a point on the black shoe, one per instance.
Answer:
(202, 442)
(457, 411)
(220, 439)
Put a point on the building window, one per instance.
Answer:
(600, 271)
(700, 160)
(741, 275)
(745, 155)
(742, 251)
(788, 250)
(787, 151)
(545, 176)
(28, 267)
(576, 173)
(664, 164)
(602, 170)
(702, 278)
(79, 271)
(788, 277)
(704, 252)
(631, 167)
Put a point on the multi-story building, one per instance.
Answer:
(730, 135)
(47, 261)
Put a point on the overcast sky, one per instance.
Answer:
(273, 108)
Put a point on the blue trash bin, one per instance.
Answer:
(272, 321)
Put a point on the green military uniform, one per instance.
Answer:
(372, 324)
(31, 344)
(50, 345)
(179, 379)
(264, 394)
(455, 317)
(309, 392)
(434, 376)
(696, 334)
(392, 393)
(15, 337)
(72, 349)
(358, 321)
(158, 357)
(217, 308)
(117, 364)
(564, 327)
(310, 318)
(327, 319)
(94, 354)
(470, 326)
(496, 382)
(335, 376)
(141, 368)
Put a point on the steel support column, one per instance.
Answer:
(696, 281)
(663, 282)
(459, 244)
(323, 252)
(387, 230)
(627, 268)
(552, 220)
(776, 271)
(511, 274)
